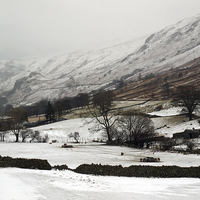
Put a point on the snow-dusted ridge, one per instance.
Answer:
(75, 72)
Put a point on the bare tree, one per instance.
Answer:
(75, 136)
(136, 126)
(25, 133)
(102, 111)
(36, 136)
(189, 98)
(17, 118)
(5, 125)
(191, 145)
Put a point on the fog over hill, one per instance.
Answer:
(31, 79)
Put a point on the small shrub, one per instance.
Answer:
(183, 111)
(25, 133)
(60, 167)
(158, 108)
(44, 139)
(191, 145)
(167, 144)
(37, 137)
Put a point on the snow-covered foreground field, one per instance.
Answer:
(25, 184)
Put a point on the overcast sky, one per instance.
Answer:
(38, 27)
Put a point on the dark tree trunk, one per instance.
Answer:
(17, 137)
(190, 115)
(108, 134)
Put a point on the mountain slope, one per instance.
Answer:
(31, 79)
(163, 85)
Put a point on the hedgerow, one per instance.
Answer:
(139, 171)
(24, 163)
(107, 170)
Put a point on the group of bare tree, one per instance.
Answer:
(14, 122)
(60, 106)
(133, 126)
(14, 117)
(121, 127)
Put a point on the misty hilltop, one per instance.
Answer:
(29, 80)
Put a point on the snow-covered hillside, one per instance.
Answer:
(31, 79)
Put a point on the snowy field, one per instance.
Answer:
(25, 184)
